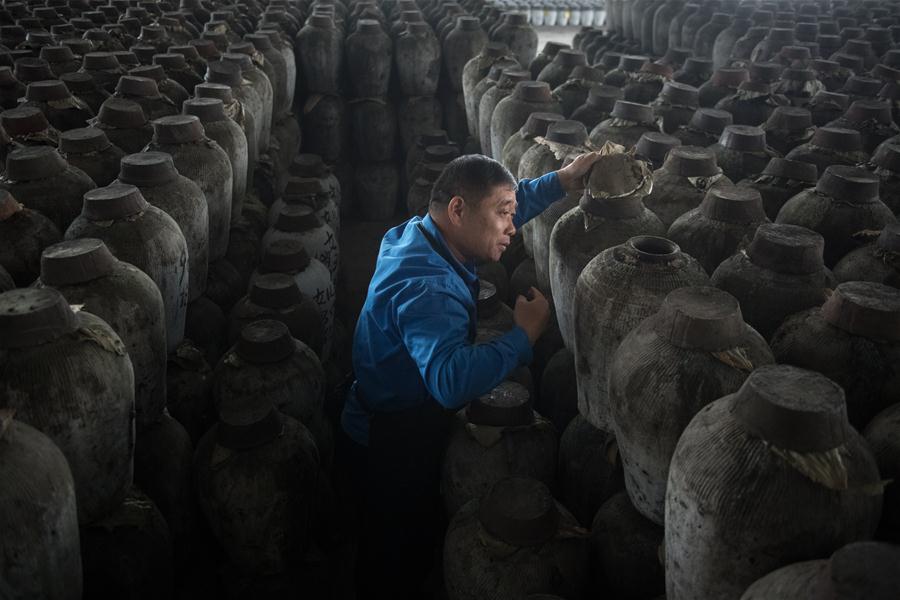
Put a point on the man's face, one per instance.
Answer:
(488, 227)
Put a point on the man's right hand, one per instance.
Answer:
(532, 314)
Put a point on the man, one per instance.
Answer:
(415, 360)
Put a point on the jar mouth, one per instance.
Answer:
(654, 249)
(520, 512)
(264, 342)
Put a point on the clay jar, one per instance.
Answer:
(574, 92)
(704, 127)
(270, 455)
(498, 435)
(696, 349)
(42, 180)
(417, 60)
(267, 361)
(144, 91)
(312, 165)
(519, 37)
(63, 110)
(242, 105)
(327, 127)
(781, 180)
(627, 123)
(617, 290)
(779, 274)
(853, 340)
(178, 70)
(87, 274)
(799, 85)
(251, 76)
(489, 102)
(368, 59)
(68, 375)
(831, 146)
(169, 88)
(881, 434)
(90, 150)
(522, 140)
(512, 112)
(877, 261)
(140, 234)
(724, 222)
(675, 106)
(787, 128)
(230, 137)
(867, 569)
(742, 151)
(844, 202)
(739, 445)
(311, 192)
(300, 222)
(40, 519)
(203, 161)
(312, 278)
(645, 85)
(465, 41)
(61, 59)
(512, 543)
(318, 49)
(600, 101)
(276, 296)
(558, 70)
(24, 233)
(611, 217)
(682, 182)
(724, 82)
(545, 57)
(872, 119)
(160, 183)
(103, 68)
(124, 123)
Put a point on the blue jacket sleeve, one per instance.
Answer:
(535, 195)
(434, 327)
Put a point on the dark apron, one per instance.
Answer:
(404, 515)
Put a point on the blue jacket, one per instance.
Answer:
(412, 337)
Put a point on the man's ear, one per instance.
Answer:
(455, 209)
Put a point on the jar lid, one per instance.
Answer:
(214, 90)
(432, 137)
(700, 318)
(28, 163)
(680, 93)
(100, 61)
(700, 67)
(781, 35)
(610, 60)
(798, 74)
(787, 249)
(154, 72)
(632, 111)
(208, 110)
(113, 202)
(862, 86)
(800, 53)
(121, 114)
(603, 97)
(792, 169)
(656, 68)
(568, 57)
(170, 60)
(417, 27)
(733, 204)
(711, 120)
(495, 49)
(224, 72)
(551, 48)
(586, 73)
(97, 34)
(83, 140)
(767, 72)
(142, 87)
(296, 218)
(244, 48)
(631, 63)
(519, 511)
(32, 69)
(516, 19)
(241, 60)
(743, 138)
(309, 165)
(858, 47)
(790, 118)
(655, 146)
(824, 66)
(533, 91)
(76, 261)
(178, 129)
(837, 139)
(275, 290)
(321, 21)
(33, 316)
(57, 54)
(205, 48)
(887, 156)
(147, 169)
(284, 256)
(507, 405)
(886, 73)
(187, 51)
(297, 188)
(538, 122)
(849, 184)
(510, 76)
(78, 82)
(691, 161)
(676, 56)
(47, 91)
(854, 63)
(730, 77)
(866, 309)
(265, 342)
(571, 133)
(442, 153)
(793, 409)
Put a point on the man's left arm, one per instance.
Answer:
(535, 195)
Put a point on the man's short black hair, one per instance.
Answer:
(471, 176)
